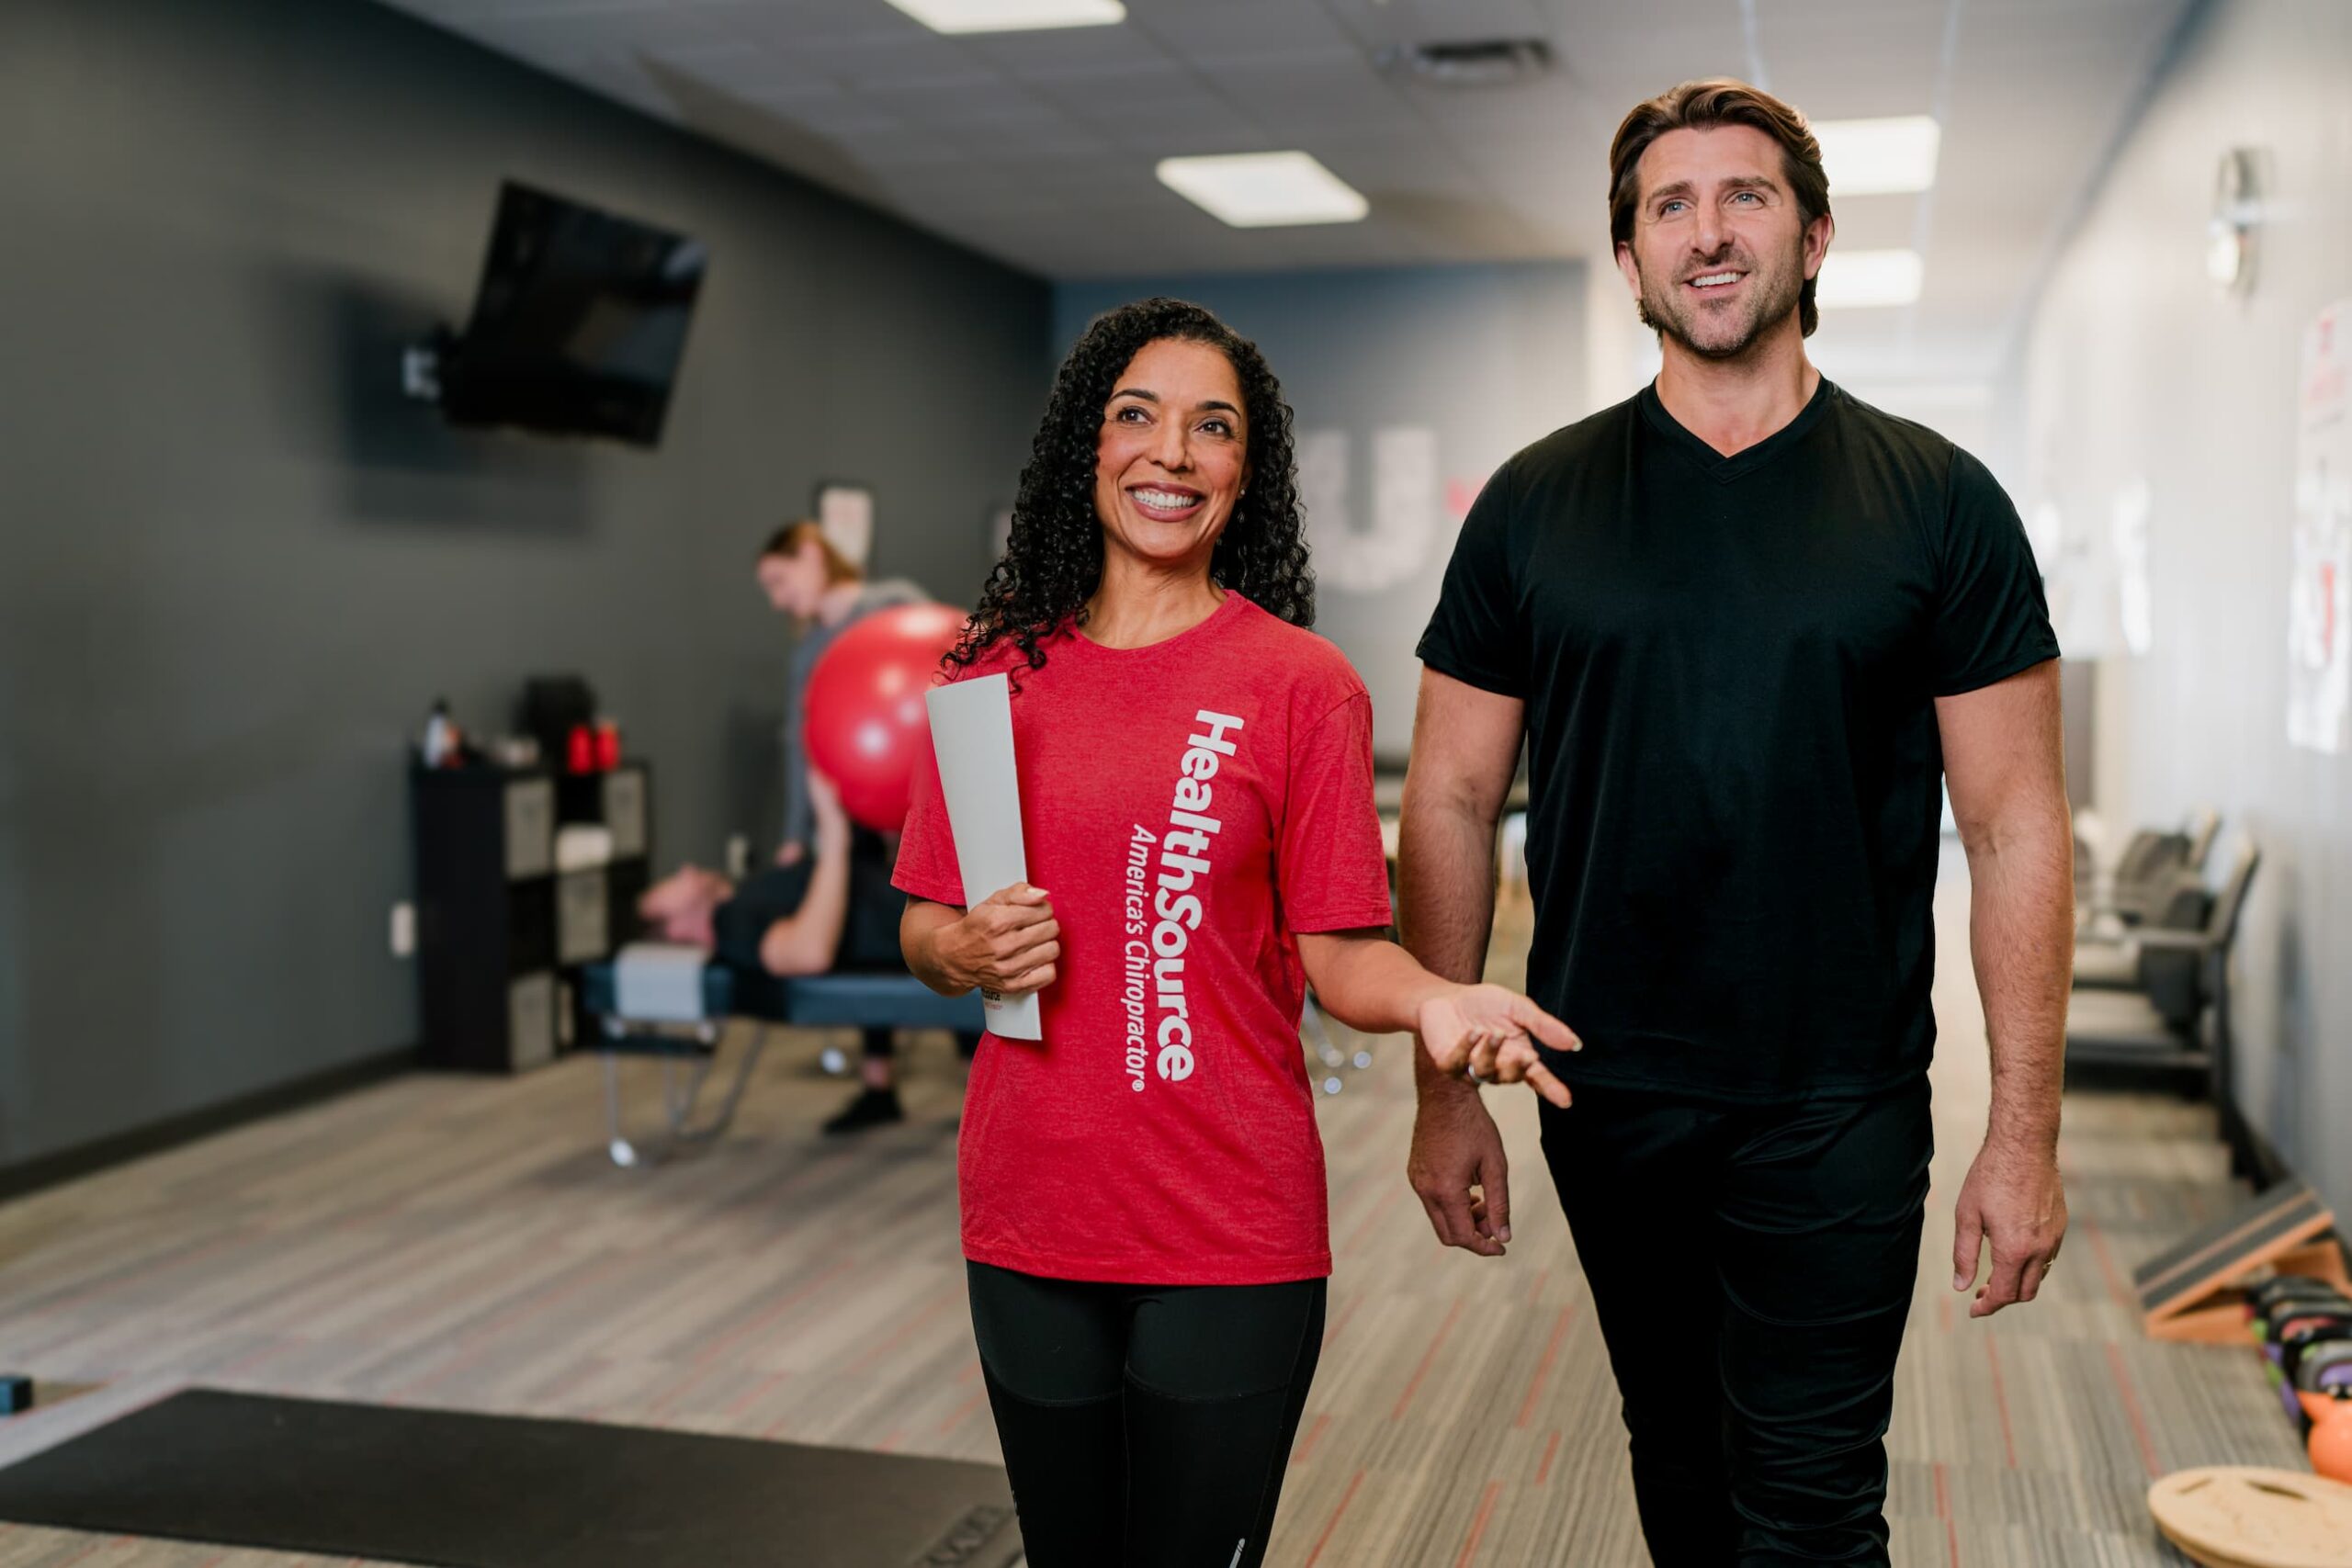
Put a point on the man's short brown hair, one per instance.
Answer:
(1704, 105)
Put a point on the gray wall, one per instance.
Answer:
(1484, 359)
(235, 568)
(2137, 370)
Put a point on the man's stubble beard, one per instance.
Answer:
(1771, 297)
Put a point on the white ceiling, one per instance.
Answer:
(1039, 147)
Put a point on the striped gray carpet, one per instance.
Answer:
(463, 1242)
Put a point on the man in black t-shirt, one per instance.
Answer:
(1744, 625)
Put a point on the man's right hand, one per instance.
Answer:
(1456, 1149)
(1009, 943)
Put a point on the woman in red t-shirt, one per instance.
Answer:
(1144, 1206)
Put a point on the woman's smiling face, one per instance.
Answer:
(1172, 454)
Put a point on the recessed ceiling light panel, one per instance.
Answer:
(1851, 280)
(1011, 16)
(1879, 157)
(1264, 190)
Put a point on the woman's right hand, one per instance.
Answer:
(1007, 944)
(1491, 1033)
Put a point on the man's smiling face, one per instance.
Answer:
(1720, 250)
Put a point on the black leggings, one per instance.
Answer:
(1144, 1425)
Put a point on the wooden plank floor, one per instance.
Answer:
(464, 1243)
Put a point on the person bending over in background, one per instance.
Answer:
(831, 909)
(824, 591)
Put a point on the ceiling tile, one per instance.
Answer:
(1208, 32)
(1039, 147)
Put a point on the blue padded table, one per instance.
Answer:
(874, 999)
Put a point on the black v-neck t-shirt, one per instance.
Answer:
(1730, 668)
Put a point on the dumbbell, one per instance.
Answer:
(2293, 1335)
(2288, 1308)
(2306, 1339)
(2304, 1330)
(2282, 1287)
(2284, 1321)
(2322, 1373)
(2281, 1301)
(2317, 1361)
(2303, 1333)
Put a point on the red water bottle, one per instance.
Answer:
(580, 749)
(609, 745)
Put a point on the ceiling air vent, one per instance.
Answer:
(1487, 63)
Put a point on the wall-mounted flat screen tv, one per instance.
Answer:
(579, 323)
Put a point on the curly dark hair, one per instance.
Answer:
(1053, 562)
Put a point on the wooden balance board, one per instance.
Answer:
(2236, 1516)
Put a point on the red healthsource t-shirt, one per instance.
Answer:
(1189, 808)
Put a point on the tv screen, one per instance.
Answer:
(578, 325)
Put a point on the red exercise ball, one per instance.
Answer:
(866, 724)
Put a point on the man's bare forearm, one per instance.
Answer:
(2021, 940)
(1445, 904)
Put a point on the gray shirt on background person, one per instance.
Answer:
(799, 819)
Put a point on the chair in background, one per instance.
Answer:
(2145, 874)
(2114, 964)
(2178, 1018)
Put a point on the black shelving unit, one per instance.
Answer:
(499, 927)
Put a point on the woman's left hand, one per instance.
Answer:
(1491, 1033)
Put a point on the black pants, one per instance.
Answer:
(882, 1044)
(869, 939)
(1752, 1267)
(1144, 1425)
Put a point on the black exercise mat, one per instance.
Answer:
(465, 1491)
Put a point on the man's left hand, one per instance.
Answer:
(2015, 1199)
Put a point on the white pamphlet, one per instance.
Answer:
(971, 733)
